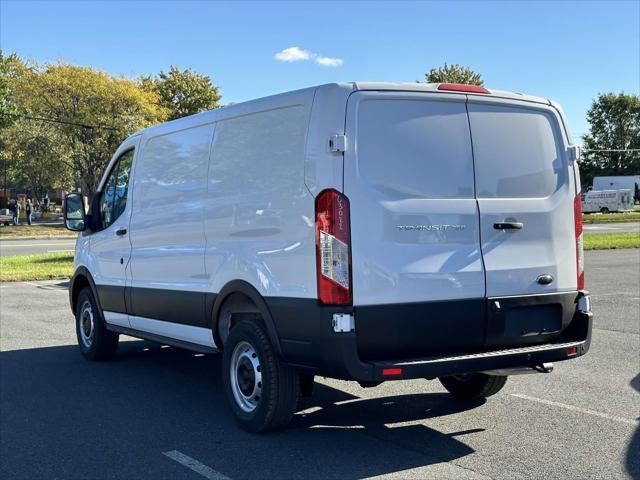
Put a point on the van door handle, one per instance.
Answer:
(121, 231)
(508, 225)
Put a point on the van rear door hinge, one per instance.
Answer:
(338, 143)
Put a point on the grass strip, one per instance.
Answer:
(611, 217)
(34, 231)
(608, 241)
(43, 266)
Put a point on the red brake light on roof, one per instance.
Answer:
(459, 87)
(333, 250)
(577, 220)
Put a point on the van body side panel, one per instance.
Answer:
(168, 243)
(523, 176)
(416, 263)
(259, 215)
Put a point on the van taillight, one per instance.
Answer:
(577, 219)
(333, 255)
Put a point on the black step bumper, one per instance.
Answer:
(346, 364)
(324, 352)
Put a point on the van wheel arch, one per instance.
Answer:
(242, 298)
(81, 279)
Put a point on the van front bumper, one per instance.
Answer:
(336, 355)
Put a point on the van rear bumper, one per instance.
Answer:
(433, 367)
(336, 354)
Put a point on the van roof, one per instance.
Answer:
(346, 87)
(433, 87)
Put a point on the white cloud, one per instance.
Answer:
(329, 61)
(297, 54)
(293, 54)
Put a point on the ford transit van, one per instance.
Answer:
(361, 231)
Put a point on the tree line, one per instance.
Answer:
(60, 123)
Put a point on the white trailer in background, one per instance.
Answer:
(606, 201)
(618, 182)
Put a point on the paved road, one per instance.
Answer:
(44, 245)
(141, 414)
(612, 227)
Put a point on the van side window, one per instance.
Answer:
(114, 196)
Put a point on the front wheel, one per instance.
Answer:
(604, 210)
(96, 342)
(471, 386)
(261, 390)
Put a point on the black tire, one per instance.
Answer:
(103, 343)
(604, 210)
(473, 385)
(280, 385)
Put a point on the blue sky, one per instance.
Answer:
(568, 51)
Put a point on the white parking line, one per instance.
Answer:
(195, 465)
(573, 408)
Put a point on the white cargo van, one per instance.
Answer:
(606, 201)
(363, 231)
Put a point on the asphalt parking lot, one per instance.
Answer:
(159, 412)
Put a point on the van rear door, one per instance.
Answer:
(418, 279)
(525, 194)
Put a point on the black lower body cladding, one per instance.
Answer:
(390, 334)
(175, 306)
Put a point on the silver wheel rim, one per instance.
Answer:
(246, 377)
(87, 324)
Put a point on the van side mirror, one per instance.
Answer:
(75, 217)
(575, 153)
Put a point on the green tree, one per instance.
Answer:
(92, 111)
(454, 74)
(614, 133)
(183, 92)
(40, 157)
(11, 69)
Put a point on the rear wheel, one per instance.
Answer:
(96, 342)
(473, 385)
(604, 210)
(261, 390)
